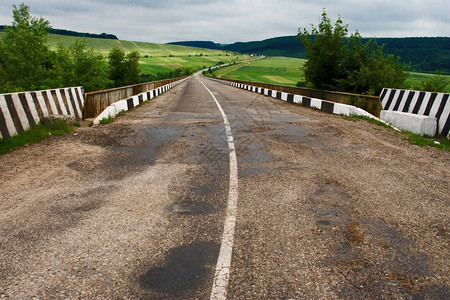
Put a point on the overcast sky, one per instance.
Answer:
(228, 21)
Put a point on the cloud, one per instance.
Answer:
(236, 20)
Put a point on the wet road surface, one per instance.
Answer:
(327, 208)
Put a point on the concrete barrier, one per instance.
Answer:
(423, 125)
(326, 106)
(126, 104)
(418, 103)
(21, 111)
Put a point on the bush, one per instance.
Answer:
(337, 63)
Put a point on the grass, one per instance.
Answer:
(415, 79)
(155, 58)
(436, 142)
(274, 70)
(107, 120)
(355, 118)
(34, 135)
(151, 49)
(441, 143)
(164, 64)
(288, 71)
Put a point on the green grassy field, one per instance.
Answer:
(151, 49)
(416, 79)
(155, 58)
(163, 64)
(275, 70)
(287, 71)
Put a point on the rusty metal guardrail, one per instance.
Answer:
(371, 104)
(96, 102)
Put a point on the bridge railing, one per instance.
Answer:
(371, 104)
(96, 102)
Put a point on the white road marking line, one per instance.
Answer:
(222, 274)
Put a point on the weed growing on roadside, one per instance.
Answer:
(416, 139)
(355, 118)
(107, 120)
(76, 124)
(34, 135)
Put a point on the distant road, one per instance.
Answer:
(325, 208)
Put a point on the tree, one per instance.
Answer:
(123, 69)
(23, 51)
(325, 48)
(336, 62)
(89, 68)
(133, 72)
(117, 66)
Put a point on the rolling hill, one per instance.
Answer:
(425, 54)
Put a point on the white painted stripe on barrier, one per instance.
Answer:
(384, 100)
(81, 94)
(32, 107)
(7, 115)
(317, 103)
(444, 117)
(284, 96)
(342, 109)
(297, 99)
(20, 111)
(120, 106)
(51, 102)
(413, 102)
(73, 94)
(61, 102)
(70, 108)
(436, 104)
(424, 106)
(403, 102)
(41, 101)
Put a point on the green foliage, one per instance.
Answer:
(88, 67)
(436, 83)
(355, 118)
(107, 120)
(34, 135)
(183, 71)
(26, 63)
(123, 68)
(132, 68)
(117, 66)
(413, 50)
(335, 63)
(440, 143)
(23, 52)
(325, 50)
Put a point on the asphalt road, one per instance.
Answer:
(326, 208)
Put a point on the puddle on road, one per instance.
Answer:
(185, 269)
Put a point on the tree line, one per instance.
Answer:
(26, 62)
(414, 51)
(65, 32)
